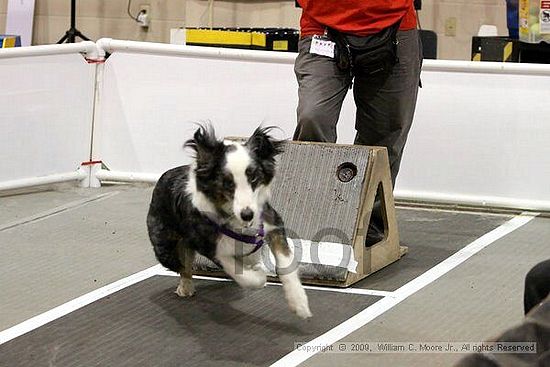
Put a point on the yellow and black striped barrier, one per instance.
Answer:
(499, 49)
(270, 39)
(7, 41)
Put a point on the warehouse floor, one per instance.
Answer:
(80, 286)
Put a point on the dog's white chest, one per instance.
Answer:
(228, 246)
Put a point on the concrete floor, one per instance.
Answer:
(61, 244)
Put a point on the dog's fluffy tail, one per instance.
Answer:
(167, 256)
(165, 243)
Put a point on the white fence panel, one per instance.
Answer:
(480, 136)
(46, 104)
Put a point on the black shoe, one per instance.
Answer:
(374, 235)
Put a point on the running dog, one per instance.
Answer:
(219, 207)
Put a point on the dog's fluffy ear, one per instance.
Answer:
(204, 139)
(264, 145)
(204, 143)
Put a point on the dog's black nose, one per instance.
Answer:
(247, 214)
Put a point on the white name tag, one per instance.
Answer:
(322, 46)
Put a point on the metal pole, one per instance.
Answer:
(72, 31)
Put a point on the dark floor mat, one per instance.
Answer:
(148, 325)
(432, 236)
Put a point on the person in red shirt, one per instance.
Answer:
(334, 35)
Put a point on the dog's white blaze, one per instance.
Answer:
(237, 163)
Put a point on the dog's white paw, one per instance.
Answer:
(253, 279)
(303, 311)
(298, 303)
(185, 288)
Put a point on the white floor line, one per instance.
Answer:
(360, 291)
(363, 292)
(62, 310)
(362, 318)
(486, 213)
(57, 210)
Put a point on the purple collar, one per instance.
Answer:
(257, 240)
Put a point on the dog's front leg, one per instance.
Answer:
(287, 271)
(186, 256)
(245, 275)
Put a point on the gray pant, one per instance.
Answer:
(385, 103)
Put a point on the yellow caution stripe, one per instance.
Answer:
(258, 39)
(281, 45)
(8, 42)
(507, 51)
(216, 37)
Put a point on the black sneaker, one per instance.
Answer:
(374, 235)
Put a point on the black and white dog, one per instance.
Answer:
(205, 207)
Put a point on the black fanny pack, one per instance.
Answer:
(366, 55)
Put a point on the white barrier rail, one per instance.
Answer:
(105, 175)
(485, 67)
(87, 48)
(489, 202)
(43, 180)
(108, 45)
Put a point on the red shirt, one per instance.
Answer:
(359, 17)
